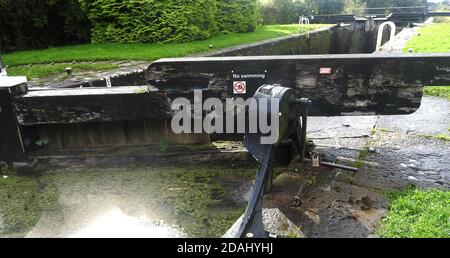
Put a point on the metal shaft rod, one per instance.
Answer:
(334, 165)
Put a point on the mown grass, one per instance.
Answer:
(42, 70)
(443, 92)
(434, 38)
(149, 52)
(417, 214)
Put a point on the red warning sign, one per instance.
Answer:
(239, 87)
(325, 70)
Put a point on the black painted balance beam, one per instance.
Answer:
(351, 84)
(437, 14)
(337, 85)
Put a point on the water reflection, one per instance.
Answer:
(115, 224)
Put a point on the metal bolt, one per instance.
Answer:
(68, 71)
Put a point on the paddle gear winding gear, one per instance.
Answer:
(290, 127)
(293, 114)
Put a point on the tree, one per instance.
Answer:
(326, 6)
(354, 7)
(168, 21)
(29, 24)
(283, 11)
(237, 15)
(388, 4)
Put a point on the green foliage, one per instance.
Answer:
(356, 7)
(283, 11)
(417, 214)
(4, 168)
(288, 11)
(42, 142)
(436, 91)
(394, 3)
(443, 7)
(237, 15)
(167, 21)
(164, 144)
(327, 6)
(41, 23)
(150, 20)
(379, 3)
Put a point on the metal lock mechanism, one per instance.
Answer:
(315, 160)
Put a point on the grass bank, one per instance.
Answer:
(149, 52)
(443, 92)
(417, 214)
(434, 38)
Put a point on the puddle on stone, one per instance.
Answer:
(116, 224)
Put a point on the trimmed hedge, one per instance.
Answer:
(33, 24)
(167, 21)
(237, 15)
(27, 24)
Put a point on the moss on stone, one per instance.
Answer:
(22, 200)
(441, 136)
(197, 198)
(361, 157)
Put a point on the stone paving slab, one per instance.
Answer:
(340, 204)
(61, 81)
(433, 117)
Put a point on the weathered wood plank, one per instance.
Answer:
(358, 83)
(91, 105)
